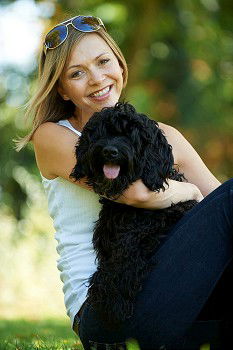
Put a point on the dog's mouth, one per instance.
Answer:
(111, 171)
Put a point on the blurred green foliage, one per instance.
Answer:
(181, 73)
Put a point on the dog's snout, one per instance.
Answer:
(110, 151)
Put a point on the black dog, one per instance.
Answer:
(119, 146)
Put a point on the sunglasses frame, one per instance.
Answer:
(66, 24)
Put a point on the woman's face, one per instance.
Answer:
(92, 78)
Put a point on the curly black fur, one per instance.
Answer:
(125, 237)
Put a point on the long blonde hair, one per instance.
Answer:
(46, 104)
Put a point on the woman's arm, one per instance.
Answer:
(174, 192)
(54, 147)
(189, 162)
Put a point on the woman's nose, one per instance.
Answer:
(96, 77)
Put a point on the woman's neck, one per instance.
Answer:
(79, 120)
(76, 123)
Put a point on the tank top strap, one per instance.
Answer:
(66, 123)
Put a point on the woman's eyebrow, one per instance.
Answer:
(79, 65)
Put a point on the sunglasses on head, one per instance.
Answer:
(58, 34)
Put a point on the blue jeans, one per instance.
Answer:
(190, 262)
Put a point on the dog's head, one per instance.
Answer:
(119, 146)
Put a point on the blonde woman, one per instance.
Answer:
(82, 70)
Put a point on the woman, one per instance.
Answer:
(81, 71)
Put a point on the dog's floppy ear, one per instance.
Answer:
(91, 131)
(81, 152)
(158, 159)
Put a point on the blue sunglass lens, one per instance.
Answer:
(86, 24)
(56, 36)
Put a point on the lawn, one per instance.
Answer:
(51, 334)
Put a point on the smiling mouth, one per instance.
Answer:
(101, 92)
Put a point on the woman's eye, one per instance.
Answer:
(76, 74)
(104, 60)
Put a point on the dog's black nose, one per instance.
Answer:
(110, 151)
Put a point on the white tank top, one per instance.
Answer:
(74, 211)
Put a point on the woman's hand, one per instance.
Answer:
(138, 195)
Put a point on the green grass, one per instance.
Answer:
(30, 335)
(51, 334)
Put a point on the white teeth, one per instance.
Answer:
(101, 93)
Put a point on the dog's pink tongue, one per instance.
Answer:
(111, 171)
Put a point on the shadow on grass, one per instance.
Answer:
(47, 334)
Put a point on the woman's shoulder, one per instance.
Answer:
(173, 137)
(48, 129)
(167, 129)
(51, 134)
(54, 149)
(171, 133)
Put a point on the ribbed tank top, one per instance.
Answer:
(74, 211)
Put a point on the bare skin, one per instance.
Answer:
(97, 69)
